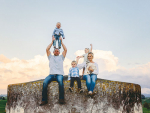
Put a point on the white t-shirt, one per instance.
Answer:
(56, 64)
(84, 65)
(85, 57)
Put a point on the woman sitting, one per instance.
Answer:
(90, 73)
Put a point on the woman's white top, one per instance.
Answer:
(94, 66)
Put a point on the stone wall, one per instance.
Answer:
(110, 97)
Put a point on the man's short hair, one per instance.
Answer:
(55, 49)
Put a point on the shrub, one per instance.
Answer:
(146, 105)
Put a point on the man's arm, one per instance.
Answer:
(64, 47)
(91, 47)
(62, 33)
(49, 46)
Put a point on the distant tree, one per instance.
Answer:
(142, 96)
(3, 98)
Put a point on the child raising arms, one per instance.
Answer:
(85, 55)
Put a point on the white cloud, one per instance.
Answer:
(105, 59)
(17, 71)
(145, 90)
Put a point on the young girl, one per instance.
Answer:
(85, 56)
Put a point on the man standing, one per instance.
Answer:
(56, 72)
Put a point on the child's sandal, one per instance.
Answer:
(71, 89)
(80, 90)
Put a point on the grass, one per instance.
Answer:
(2, 106)
(146, 100)
(145, 110)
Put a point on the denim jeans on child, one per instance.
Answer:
(90, 81)
(59, 41)
(78, 81)
(48, 79)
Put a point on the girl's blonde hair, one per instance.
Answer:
(87, 49)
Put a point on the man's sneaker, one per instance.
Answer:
(80, 90)
(61, 101)
(71, 89)
(43, 103)
(59, 47)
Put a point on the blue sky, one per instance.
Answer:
(121, 27)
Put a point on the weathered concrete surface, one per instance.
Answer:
(111, 97)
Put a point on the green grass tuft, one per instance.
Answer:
(2, 106)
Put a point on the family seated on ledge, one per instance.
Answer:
(90, 72)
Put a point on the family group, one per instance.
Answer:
(90, 68)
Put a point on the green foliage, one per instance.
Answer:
(2, 106)
(145, 110)
(146, 105)
(147, 100)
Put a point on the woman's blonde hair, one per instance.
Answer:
(91, 54)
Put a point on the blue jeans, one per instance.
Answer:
(90, 81)
(59, 41)
(48, 79)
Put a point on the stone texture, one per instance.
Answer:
(110, 97)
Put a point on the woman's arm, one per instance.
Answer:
(97, 69)
(90, 69)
